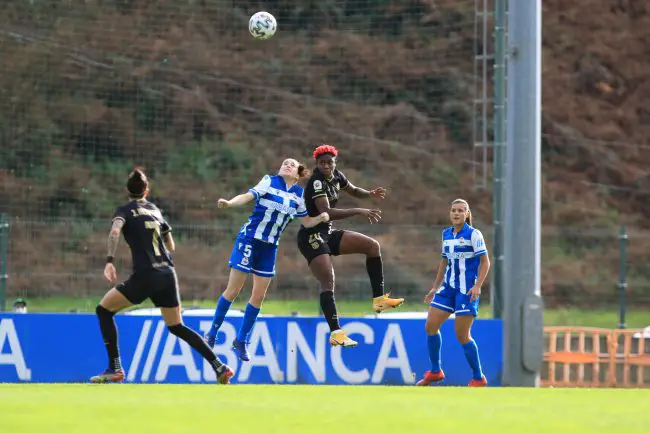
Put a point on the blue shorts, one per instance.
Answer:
(452, 301)
(253, 256)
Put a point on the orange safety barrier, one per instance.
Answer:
(596, 357)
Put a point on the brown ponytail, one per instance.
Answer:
(303, 171)
(137, 183)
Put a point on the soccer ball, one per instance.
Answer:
(262, 25)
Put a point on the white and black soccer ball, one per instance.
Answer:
(262, 25)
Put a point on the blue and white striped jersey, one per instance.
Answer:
(275, 207)
(463, 250)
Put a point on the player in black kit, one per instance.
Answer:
(317, 244)
(150, 240)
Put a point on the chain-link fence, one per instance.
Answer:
(581, 268)
(90, 89)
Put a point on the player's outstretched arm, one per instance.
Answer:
(357, 192)
(239, 200)
(323, 205)
(310, 222)
(113, 239)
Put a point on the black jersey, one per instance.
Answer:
(319, 186)
(144, 227)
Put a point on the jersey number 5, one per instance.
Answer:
(155, 238)
(246, 250)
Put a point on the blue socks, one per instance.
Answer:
(434, 342)
(471, 353)
(223, 305)
(250, 315)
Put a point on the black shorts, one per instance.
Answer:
(314, 244)
(161, 286)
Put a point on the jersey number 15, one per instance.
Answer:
(246, 252)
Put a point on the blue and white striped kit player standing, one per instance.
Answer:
(461, 273)
(278, 200)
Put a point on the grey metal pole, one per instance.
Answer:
(523, 308)
(622, 284)
(4, 258)
(499, 160)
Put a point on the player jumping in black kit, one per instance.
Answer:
(150, 239)
(317, 244)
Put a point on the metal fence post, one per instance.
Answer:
(498, 188)
(4, 257)
(622, 280)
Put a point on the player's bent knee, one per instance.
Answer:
(374, 248)
(327, 286)
(232, 292)
(326, 281)
(463, 335)
(257, 299)
(100, 310)
(171, 316)
(431, 328)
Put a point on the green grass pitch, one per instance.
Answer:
(306, 409)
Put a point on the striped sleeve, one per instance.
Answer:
(302, 210)
(261, 188)
(478, 244)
